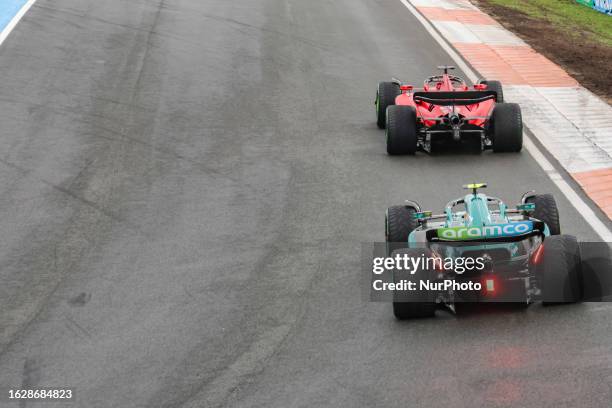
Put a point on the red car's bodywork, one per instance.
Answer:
(447, 111)
(431, 114)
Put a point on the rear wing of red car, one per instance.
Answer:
(454, 98)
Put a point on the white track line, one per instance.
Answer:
(13, 23)
(581, 206)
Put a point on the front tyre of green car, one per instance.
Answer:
(399, 223)
(546, 211)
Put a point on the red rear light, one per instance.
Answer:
(490, 285)
(536, 258)
(480, 87)
(406, 87)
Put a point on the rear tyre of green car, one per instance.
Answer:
(413, 304)
(560, 271)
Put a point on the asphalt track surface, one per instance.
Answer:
(185, 187)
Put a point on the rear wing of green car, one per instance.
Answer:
(510, 232)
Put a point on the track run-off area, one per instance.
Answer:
(185, 190)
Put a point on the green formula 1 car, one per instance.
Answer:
(520, 255)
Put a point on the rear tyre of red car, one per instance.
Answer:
(560, 271)
(506, 128)
(494, 86)
(413, 304)
(385, 97)
(401, 130)
(546, 210)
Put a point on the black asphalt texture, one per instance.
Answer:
(185, 188)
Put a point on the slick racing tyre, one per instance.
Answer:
(413, 304)
(494, 86)
(399, 223)
(560, 270)
(506, 128)
(401, 130)
(546, 211)
(385, 96)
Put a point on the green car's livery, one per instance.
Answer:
(526, 256)
(485, 232)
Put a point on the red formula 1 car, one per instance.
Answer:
(447, 110)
